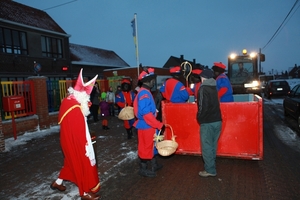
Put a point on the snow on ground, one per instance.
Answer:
(10, 142)
(288, 136)
(22, 139)
(35, 190)
(293, 82)
(284, 133)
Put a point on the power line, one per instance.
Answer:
(286, 22)
(59, 5)
(281, 25)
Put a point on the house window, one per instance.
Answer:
(51, 47)
(13, 42)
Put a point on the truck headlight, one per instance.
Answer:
(253, 84)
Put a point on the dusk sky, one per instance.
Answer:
(205, 30)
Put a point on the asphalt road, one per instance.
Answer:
(27, 170)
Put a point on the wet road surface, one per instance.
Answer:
(27, 170)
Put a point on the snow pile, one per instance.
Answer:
(22, 139)
(293, 82)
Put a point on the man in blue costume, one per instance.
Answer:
(126, 98)
(173, 90)
(224, 87)
(146, 124)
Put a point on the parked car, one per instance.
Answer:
(291, 104)
(276, 88)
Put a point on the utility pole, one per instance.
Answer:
(259, 64)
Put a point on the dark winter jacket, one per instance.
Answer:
(208, 103)
(104, 107)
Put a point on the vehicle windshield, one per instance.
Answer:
(263, 79)
(266, 78)
(279, 83)
(242, 72)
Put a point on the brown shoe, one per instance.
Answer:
(55, 186)
(90, 196)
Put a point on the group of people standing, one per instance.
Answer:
(105, 101)
(210, 88)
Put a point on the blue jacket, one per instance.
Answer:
(145, 110)
(223, 84)
(174, 91)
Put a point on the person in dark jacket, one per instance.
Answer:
(94, 98)
(210, 120)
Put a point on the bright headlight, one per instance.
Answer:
(232, 56)
(251, 85)
(255, 84)
(253, 54)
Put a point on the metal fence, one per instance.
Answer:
(53, 95)
(56, 91)
(18, 88)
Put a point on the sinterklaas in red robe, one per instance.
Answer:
(77, 166)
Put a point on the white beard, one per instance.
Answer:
(83, 98)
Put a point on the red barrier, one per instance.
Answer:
(242, 127)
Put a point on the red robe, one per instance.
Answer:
(77, 167)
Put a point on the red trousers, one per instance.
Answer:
(146, 143)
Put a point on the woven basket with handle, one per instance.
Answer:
(167, 147)
(126, 113)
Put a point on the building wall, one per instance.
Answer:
(88, 71)
(133, 73)
(16, 65)
(23, 125)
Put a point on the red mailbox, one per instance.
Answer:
(13, 103)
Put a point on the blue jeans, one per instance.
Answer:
(209, 134)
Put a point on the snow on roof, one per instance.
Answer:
(20, 13)
(85, 55)
(13, 12)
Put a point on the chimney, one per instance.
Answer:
(181, 58)
(194, 61)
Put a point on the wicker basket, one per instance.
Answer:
(126, 113)
(167, 147)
